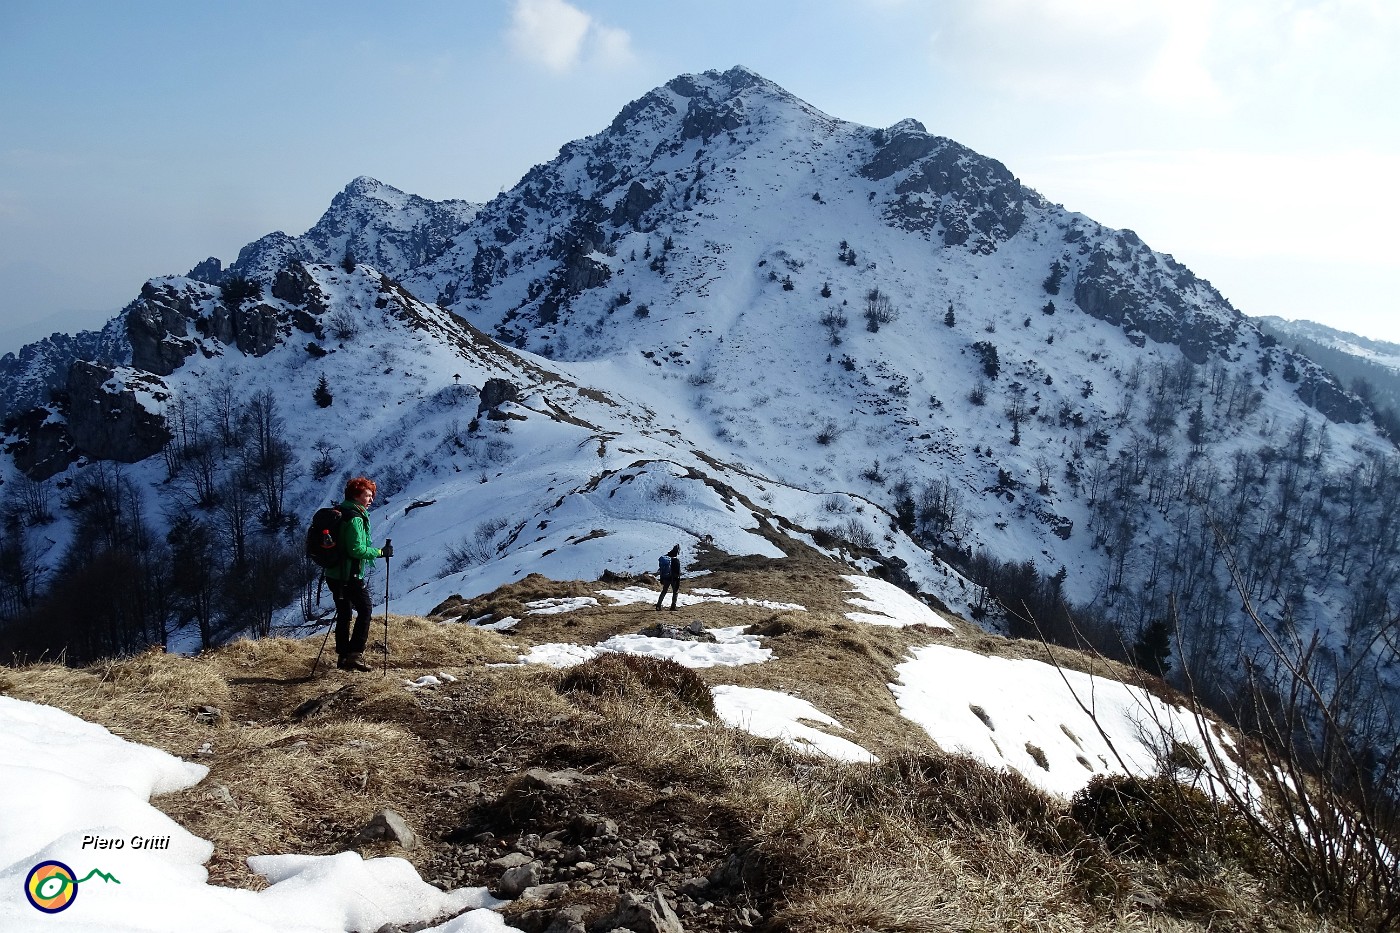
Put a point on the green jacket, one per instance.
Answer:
(354, 542)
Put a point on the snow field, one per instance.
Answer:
(64, 781)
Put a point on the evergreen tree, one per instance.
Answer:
(950, 319)
(1152, 650)
(323, 393)
(1196, 428)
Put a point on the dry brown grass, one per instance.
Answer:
(920, 841)
(275, 785)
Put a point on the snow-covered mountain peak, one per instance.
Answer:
(751, 321)
(369, 222)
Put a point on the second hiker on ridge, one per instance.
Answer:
(669, 569)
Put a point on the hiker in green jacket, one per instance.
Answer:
(347, 580)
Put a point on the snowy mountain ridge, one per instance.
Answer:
(736, 318)
(1380, 352)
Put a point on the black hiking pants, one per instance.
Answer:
(674, 585)
(351, 597)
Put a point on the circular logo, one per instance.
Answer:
(51, 887)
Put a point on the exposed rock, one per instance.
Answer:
(208, 714)
(642, 914)
(546, 920)
(256, 329)
(210, 272)
(517, 879)
(40, 369)
(692, 632)
(567, 920)
(1319, 391)
(42, 446)
(108, 417)
(637, 201)
(388, 826)
(385, 228)
(159, 323)
(948, 188)
(323, 702)
(545, 892)
(261, 260)
(495, 392)
(592, 826)
(512, 860)
(296, 285)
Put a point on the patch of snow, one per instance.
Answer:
(775, 715)
(1027, 716)
(65, 782)
(887, 604)
(640, 594)
(544, 607)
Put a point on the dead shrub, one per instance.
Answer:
(626, 675)
(961, 791)
(1158, 818)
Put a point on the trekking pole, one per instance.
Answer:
(388, 542)
(330, 628)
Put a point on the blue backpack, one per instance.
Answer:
(664, 567)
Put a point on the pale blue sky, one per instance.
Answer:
(1256, 140)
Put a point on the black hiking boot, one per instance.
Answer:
(356, 662)
(342, 662)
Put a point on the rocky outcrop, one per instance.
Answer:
(115, 414)
(161, 324)
(210, 272)
(637, 201)
(256, 329)
(176, 317)
(40, 443)
(1320, 391)
(945, 188)
(1128, 288)
(495, 393)
(31, 376)
(296, 285)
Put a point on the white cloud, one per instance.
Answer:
(1054, 48)
(612, 47)
(558, 35)
(1330, 206)
(549, 32)
(1183, 54)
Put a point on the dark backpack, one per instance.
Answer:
(323, 537)
(664, 567)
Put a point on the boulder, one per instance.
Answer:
(516, 880)
(495, 392)
(643, 914)
(390, 827)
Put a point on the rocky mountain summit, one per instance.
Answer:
(368, 222)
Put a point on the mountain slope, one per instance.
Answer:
(1038, 378)
(745, 326)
